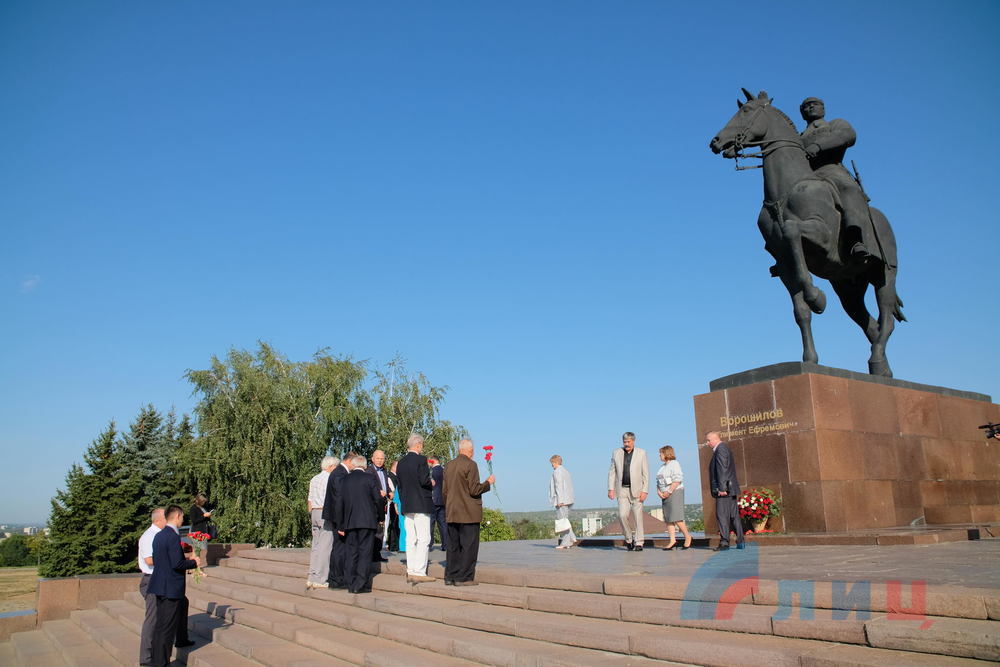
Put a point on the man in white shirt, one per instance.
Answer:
(322, 531)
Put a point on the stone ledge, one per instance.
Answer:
(788, 368)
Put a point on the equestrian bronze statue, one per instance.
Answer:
(815, 219)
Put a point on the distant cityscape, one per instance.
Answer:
(11, 529)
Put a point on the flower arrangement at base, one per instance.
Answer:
(758, 505)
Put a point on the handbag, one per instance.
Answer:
(562, 525)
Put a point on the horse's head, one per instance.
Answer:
(747, 128)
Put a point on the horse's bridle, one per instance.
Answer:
(767, 147)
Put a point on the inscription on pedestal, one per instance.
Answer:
(850, 454)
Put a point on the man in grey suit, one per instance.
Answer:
(561, 497)
(726, 490)
(628, 481)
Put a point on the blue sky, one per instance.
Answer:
(517, 198)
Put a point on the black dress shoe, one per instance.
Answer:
(638, 547)
(380, 560)
(449, 582)
(721, 547)
(184, 644)
(630, 546)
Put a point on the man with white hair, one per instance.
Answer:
(322, 530)
(414, 490)
(463, 506)
(146, 566)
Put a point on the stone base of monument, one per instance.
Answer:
(852, 452)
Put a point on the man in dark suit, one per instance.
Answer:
(417, 507)
(357, 510)
(463, 502)
(167, 583)
(329, 514)
(377, 469)
(437, 477)
(725, 490)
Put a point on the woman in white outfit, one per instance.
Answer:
(670, 487)
(561, 496)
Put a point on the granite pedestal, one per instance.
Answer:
(849, 451)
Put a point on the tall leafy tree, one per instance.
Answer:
(264, 423)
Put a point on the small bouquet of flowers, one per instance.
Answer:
(489, 464)
(758, 505)
(199, 541)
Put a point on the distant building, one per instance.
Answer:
(592, 524)
(657, 513)
(30, 530)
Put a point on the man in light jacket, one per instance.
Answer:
(628, 481)
(561, 497)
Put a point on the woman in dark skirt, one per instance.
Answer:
(670, 487)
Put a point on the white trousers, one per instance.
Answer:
(418, 542)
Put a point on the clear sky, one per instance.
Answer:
(518, 198)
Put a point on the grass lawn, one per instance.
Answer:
(18, 586)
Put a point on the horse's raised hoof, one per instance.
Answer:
(880, 368)
(815, 299)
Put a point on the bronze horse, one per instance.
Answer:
(801, 224)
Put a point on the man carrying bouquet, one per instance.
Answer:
(168, 584)
(463, 503)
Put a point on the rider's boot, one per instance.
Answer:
(859, 252)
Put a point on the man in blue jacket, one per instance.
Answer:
(167, 583)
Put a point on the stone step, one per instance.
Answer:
(753, 619)
(940, 600)
(267, 634)
(121, 644)
(416, 630)
(76, 646)
(802, 625)
(36, 649)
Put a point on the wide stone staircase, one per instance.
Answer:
(254, 609)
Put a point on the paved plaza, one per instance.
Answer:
(971, 563)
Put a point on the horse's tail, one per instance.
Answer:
(897, 312)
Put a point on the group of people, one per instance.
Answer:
(351, 507)
(628, 483)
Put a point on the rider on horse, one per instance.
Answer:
(825, 144)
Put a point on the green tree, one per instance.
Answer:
(402, 405)
(494, 527)
(97, 519)
(526, 529)
(74, 520)
(15, 552)
(264, 423)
